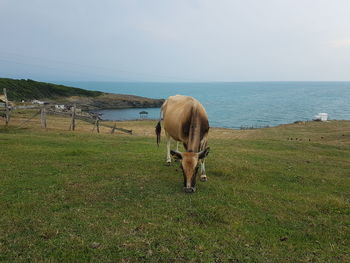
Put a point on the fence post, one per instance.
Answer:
(72, 125)
(7, 120)
(98, 125)
(113, 129)
(43, 117)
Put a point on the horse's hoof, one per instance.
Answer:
(167, 163)
(203, 178)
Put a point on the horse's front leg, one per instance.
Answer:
(203, 145)
(203, 176)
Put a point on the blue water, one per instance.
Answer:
(236, 104)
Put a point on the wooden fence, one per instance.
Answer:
(94, 121)
(43, 111)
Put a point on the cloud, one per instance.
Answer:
(341, 43)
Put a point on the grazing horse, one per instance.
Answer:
(185, 120)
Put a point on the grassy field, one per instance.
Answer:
(86, 197)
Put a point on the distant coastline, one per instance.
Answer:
(21, 90)
(229, 104)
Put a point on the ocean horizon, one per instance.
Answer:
(237, 104)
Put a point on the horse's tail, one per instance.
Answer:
(158, 126)
(158, 131)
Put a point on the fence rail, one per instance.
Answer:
(89, 120)
(43, 111)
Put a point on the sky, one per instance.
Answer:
(175, 40)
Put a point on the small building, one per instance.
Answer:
(321, 117)
(143, 114)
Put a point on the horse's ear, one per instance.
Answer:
(204, 153)
(176, 154)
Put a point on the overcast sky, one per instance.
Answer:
(175, 40)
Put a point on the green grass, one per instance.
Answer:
(70, 197)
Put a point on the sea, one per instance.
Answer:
(237, 104)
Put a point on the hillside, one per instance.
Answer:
(27, 90)
(21, 89)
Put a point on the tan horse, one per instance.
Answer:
(185, 120)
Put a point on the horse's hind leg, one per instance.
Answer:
(177, 149)
(168, 157)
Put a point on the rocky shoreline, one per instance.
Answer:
(109, 101)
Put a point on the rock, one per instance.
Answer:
(95, 245)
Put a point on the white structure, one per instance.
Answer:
(38, 102)
(321, 117)
(60, 107)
